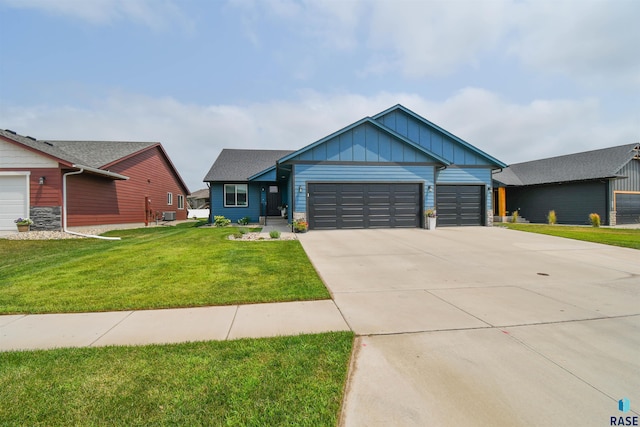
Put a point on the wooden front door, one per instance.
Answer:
(274, 199)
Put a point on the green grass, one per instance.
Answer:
(628, 238)
(253, 382)
(159, 267)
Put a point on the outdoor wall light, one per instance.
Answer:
(41, 180)
(300, 189)
(430, 189)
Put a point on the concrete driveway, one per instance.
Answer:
(484, 326)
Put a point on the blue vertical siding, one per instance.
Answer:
(365, 143)
(431, 139)
(360, 173)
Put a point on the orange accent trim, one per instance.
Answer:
(615, 197)
(502, 201)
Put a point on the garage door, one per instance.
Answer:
(627, 208)
(363, 205)
(459, 205)
(14, 202)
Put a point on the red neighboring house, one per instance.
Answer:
(87, 183)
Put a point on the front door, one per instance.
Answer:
(274, 200)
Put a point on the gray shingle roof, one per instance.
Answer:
(596, 164)
(100, 153)
(95, 154)
(239, 165)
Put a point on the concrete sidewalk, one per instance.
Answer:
(44, 331)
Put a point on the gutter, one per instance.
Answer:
(64, 204)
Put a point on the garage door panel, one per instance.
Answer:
(459, 205)
(627, 208)
(14, 197)
(366, 205)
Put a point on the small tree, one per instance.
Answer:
(594, 219)
(551, 218)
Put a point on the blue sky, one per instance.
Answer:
(519, 79)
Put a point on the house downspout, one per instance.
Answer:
(64, 211)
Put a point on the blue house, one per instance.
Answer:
(383, 171)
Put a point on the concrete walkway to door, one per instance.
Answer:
(483, 326)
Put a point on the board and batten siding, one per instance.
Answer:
(305, 173)
(469, 176)
(364, 143)
(432, 139)
(632, 181)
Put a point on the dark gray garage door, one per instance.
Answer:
(459, 205)
(364, 205)
(627, 208)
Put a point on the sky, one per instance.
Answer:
(518, 79)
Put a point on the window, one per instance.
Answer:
(235, 195)
(169, 199)
(180, 201)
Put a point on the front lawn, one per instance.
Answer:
(628, 238)
(297, 381)
(159, 267)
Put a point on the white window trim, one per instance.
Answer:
(169, 199)
(224, 196)
(180, 201)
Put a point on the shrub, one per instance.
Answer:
(274, 234)
(242, 231)
(551, 218)
(244, 221)
(300, 225)
(514, 216)
(221, 221)
(594, 219)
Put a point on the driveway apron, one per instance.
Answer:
(483, 326)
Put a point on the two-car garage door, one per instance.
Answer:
(364, 205)
(390, 205)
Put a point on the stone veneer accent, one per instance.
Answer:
(46, 218)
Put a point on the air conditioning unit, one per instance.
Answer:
(169, 216)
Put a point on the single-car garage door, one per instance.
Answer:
(14, 201)
(627, 208)
(459, 205)
(364, 205)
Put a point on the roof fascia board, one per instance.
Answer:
(445, 132)
(374, 123)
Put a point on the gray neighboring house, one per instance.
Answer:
(199, 199)
(604, 181)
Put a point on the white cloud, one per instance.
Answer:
(435, 37)
(155, 14)
(327, 23)
(594, 42)
(193, 135)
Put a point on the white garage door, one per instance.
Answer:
(14, 200)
